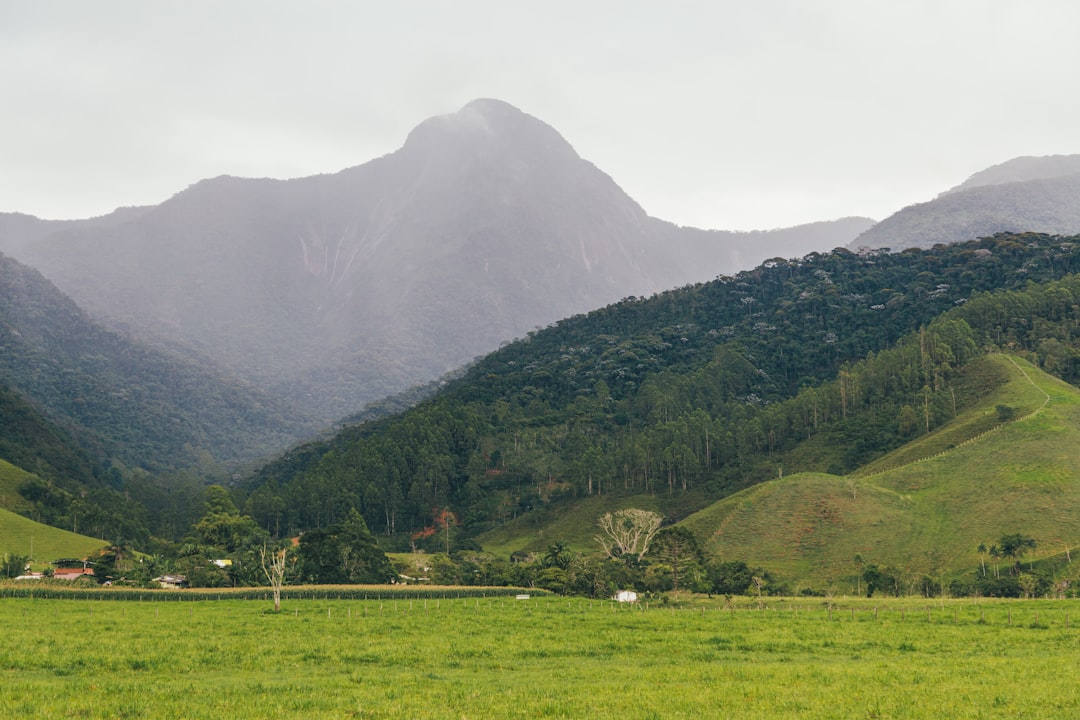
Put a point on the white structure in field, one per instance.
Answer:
(626, 596)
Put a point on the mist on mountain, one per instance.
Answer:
(333, 290)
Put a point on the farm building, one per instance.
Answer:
(171, 582)
(31, 576)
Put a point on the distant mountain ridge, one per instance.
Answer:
(1021, 169)
(1027, 194)
(334, 290)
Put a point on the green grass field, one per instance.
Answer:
(544, 657)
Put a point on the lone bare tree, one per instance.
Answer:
(628, 531)
(273, 564)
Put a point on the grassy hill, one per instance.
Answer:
(22, 536)
(925, 508)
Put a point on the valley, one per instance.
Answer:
(789, 410)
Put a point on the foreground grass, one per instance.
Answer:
(545, 657)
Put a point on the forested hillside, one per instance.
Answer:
(916, 520)
(822, 363)
(46, 476)
(93, 417)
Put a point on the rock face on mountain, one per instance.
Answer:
(333, 290)
(1024, 194)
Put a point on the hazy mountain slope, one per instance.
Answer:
(337, 289)
(119, 399)
(30, 442)
(926, 516)
(1024, 195)
(1022, 169)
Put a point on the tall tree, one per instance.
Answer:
(677, 547)
(273, 565)
(343, 553)
(628, 532)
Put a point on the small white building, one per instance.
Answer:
(626, 596)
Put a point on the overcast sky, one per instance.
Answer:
(732, 115)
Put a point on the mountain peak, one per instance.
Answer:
(492, 107)
(491, 122)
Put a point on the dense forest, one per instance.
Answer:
(821, 363)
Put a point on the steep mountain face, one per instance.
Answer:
(119, 399)
(333, 290)
(1023, 195)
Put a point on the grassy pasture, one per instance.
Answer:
(23, 536)
(544, 657)
(926, 507)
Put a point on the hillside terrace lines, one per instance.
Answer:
(1027, 377)
(974, 438)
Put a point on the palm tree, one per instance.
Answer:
(995, 552)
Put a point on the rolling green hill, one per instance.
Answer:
(23, 536)
(925, 508)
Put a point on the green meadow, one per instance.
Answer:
(499, 657)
